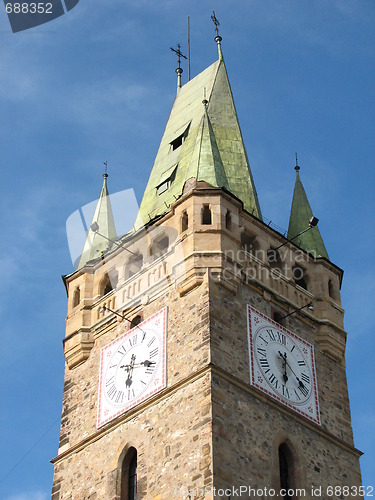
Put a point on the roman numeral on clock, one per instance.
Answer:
(286, 392)
(154, 352)
(273, 380)
(281, 338)
(297, 395)
(305, 378)
(262, 352)
(120, 397)
(133, 341)
(112, 391)
(264, 363)
(303, 389)
(271, 334)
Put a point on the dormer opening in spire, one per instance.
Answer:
(178, 141)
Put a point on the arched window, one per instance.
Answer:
(129, 475)
(279, 317)
(184, 221)
(228, 220)
(108, 283)
(287, 472)
(250, 244)
(76, 296)
(135, 321)
(274, 260)
(206, 215)
(300, 277)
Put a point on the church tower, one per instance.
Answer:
(205, 351)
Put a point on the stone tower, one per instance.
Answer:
(205, 352)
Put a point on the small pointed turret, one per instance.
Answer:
(102, 229)
(300, 216)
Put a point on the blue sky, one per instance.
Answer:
(97, 84)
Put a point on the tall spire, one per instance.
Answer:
(102, 228)
(202, 143)
(300, 216)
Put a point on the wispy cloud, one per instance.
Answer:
(30, 495)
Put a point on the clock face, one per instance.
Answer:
(282, 365)
(132, 368)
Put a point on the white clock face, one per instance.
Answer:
(282, 365)
(132, 368)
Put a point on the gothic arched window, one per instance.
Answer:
(76, 296)
(108, 283)
(206, 215)
(184, 221)
(286, 467)
(129, 475)
(135, 321)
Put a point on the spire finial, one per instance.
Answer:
(179, 70)
(105, 163)
(217, 37)
(296, 168)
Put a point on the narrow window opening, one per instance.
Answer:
(133, 478)
(176, 143)
(76, 297)
(109, 283)
(274, 260)
(166, 183)
(206, 215)
(249, 244)
(136, 321)
(287, 472)
(228, 220)
(128, 489)
(284, 473)
(277, 316)
(300, 277)
(184, 221)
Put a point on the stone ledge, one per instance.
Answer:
(77, 347)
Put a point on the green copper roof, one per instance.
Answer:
(202, 142)
(300, 215)
(97, 243)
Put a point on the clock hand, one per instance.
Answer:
(136, 365)
(129, 369)
(285, 376)
(300, 383)
(148, 363)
